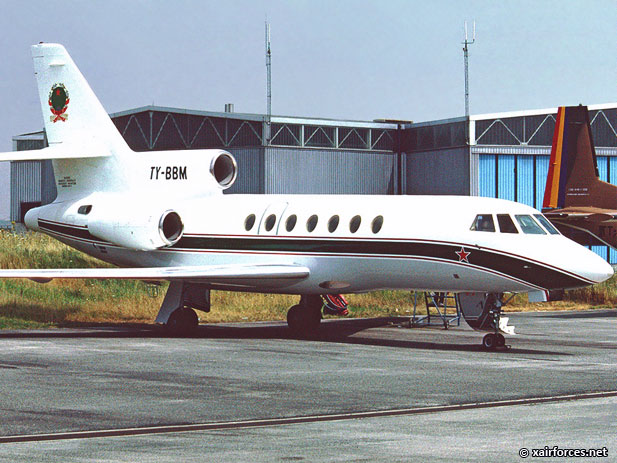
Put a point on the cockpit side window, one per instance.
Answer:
(528, 225)
(546, 224)
(483, 222)
(505, 224)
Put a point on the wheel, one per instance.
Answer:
(303, 321)
(294, 318)
(500, 340)
(182, 322)
(489, 341)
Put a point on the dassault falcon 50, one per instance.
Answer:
(163, 216)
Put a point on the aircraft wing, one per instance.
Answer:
(587, 214)
(242, 275)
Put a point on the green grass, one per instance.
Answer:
(26, 304)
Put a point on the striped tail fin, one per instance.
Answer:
(573, 179)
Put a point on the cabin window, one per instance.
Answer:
(354, 223)
(529, 226)
(483, 222)
(333, 223)
(311, 223)
(546, 224)
(377, 224)
(270, 221)
(249, 222)
(84, 210)
(290, 223)
(505, 224)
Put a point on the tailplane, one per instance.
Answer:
(573, 179)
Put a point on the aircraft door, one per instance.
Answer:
(271, 218)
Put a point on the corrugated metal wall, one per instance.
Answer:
(250, 170)
(312, 171)
(518, 178)
(25, 185)
(440, 172)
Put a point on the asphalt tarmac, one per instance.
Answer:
(366, 390)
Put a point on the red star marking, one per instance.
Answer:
(462, 255)
(57, 92)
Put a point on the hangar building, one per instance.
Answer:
(502, 155)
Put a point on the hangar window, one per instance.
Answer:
(290, 223)
(505, 224)
(529, 226)
(333, 223)
(354, 223)
(546, 224)
(311, 223)
(84, 210)
(483, 222)
(377, 224)
(270, 221)
(249, 222)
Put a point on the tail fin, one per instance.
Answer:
(87, 151)
(71, 111)
(573, 179)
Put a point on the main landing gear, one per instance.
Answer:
(177, 314)
(304, 318)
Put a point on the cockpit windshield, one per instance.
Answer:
(483, 222)
(546, 224)
(505, 224)
(529, 225)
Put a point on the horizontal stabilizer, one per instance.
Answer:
(209, 273)
(59, 151)
(586, 214)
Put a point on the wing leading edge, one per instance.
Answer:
(270, 275)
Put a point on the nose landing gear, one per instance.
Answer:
(494, 341)
(482, 311)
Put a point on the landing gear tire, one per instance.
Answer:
(500, 341)
(490, 342)
(304, 320)
(182, 322)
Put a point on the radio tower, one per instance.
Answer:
(269, 84)
(466, 44)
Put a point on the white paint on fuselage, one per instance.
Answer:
(445, 219)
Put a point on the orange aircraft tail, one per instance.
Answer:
(573, 179)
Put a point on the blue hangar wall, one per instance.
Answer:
(512, 152)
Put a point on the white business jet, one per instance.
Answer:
(163, 216)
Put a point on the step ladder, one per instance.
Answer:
(446, 305)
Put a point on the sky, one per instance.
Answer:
(347, 59)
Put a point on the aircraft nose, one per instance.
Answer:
(597, 269)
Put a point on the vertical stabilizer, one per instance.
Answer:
(573, 179)
(71, 110)
(76, 122)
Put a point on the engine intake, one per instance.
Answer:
(224, 170)
(171, 227)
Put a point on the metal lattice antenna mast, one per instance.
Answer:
(466, 44)
(269, 83)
